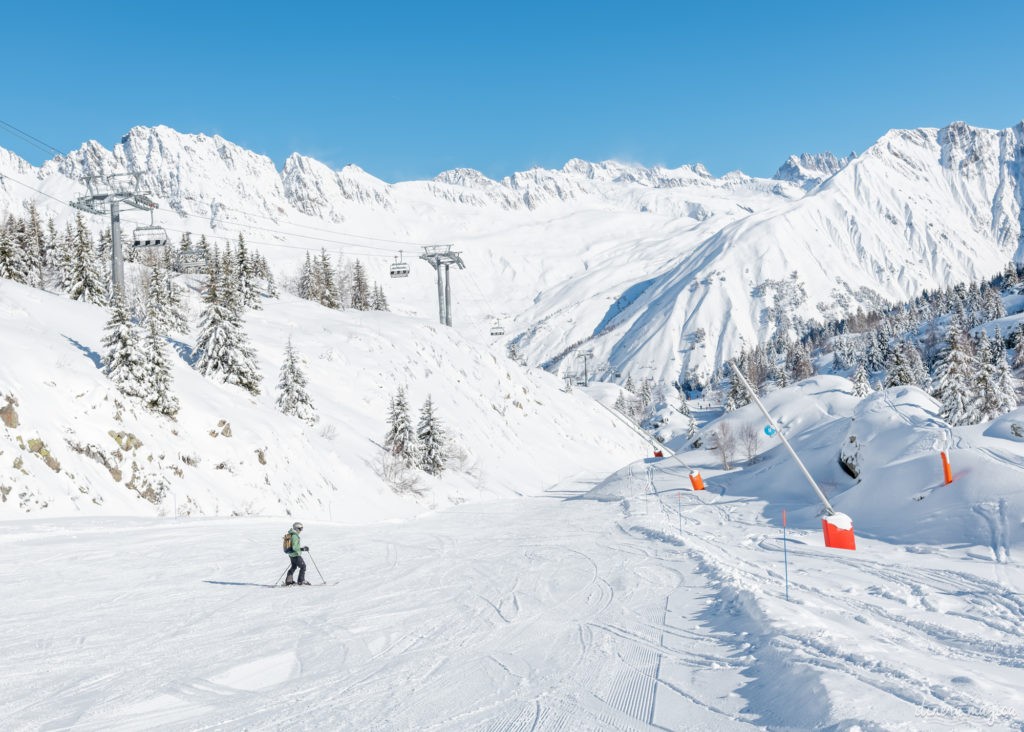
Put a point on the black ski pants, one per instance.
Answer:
(300, 564)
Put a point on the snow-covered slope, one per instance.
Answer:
(76, 446)
(661, 272)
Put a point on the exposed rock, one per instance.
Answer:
(8, 415)
(126, 440)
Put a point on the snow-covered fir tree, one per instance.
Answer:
(292, 398)
(158, 396)
(400, 441)
(306, 288)
(432, 440)
(84, 278)
(955, 382)
(326, 281)
(378, 300)
(360, 288)
(124, 358)
(1018, 343)
(37, 248)
(993, 382)
(248, 293)
(861, 385)
(14, 263)
(223, 346)
(906, 366)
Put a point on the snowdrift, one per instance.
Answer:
(891, 439)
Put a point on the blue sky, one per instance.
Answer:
(406, 90)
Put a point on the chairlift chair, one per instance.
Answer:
(399, 268)
(149, 236)
(497, 329)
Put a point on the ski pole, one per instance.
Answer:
(316, 567)
(279, 579)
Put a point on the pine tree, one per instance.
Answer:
(861, 385)
(737, 397)
(400, 440)
(900, 373)
(993, 383)
(645, 394)
(223, 347)
(955, 383)
(36, 248)
(1018, 338)
(158, 396)
(326, 279)
(84, 281)
(432, 440)
(798, 362)
(177, 305)
(124, 360)
(378, 301)
(14, 260)
(1010, 276)
(272, 286)
(248, 295)
(305, 284)
(292, 398)
(360, 290)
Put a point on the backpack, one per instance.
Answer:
(287, 542)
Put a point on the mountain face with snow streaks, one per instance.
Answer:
(664, 271)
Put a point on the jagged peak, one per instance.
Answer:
(469, 177)
(810, 169)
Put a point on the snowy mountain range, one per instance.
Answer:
(661, 272)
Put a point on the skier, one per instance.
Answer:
(296, 555)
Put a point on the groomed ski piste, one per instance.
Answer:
(625, 601)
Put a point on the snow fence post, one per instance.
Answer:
(785, 552)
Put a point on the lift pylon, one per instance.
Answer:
(441, 258)
(106, 194)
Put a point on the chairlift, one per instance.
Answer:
(149, 236)
(497, 329)
(399, 268)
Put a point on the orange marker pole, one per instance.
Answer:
(947, 472)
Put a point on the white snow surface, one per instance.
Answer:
(652, 607)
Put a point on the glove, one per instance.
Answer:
(305, 548)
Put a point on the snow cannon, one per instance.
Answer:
(696, 481)
(838, 530)
(947, 472)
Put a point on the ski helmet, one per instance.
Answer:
(297, 526)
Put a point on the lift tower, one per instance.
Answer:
(441, 258)
(107, 193)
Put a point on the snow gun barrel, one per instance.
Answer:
(746, 385)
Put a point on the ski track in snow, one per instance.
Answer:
(526, 614)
